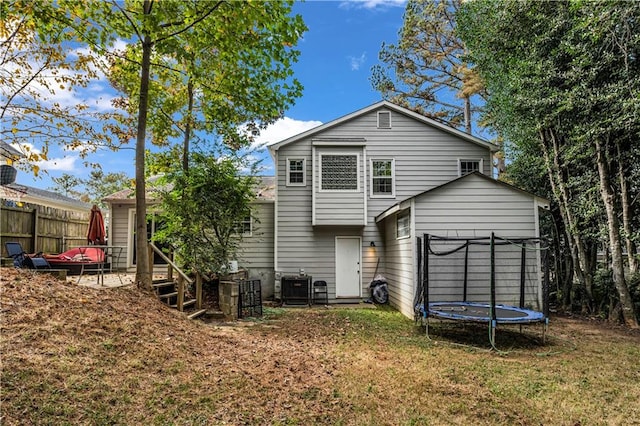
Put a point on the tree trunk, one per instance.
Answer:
(617, 265)
(143, 267)
(627, 213)
(566, 263)
(581, 264)
(467, 114)
(187, 128)
(562, 263)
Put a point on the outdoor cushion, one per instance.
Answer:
(88, 254)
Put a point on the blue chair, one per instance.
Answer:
(22, 260)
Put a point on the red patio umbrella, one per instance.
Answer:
(96, 234)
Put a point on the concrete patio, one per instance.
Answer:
(111, 280)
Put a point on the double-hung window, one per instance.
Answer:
(244, 227)
(383, 178)
(296, 168)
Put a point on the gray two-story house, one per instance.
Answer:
(351, 196)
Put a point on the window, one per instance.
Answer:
(296, 171)
(403, 225)
(384, 119)
(469, 166)
(382, 178)
(339, 172)
(245, 227)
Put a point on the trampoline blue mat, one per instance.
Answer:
(480, 312)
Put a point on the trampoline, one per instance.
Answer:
(464, 310)
(481, 312)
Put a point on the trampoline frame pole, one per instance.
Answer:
(466, 269)
(523, 261)
(546, 279)
(492, 313)
(493, 277)
(416, 300)
(425, 279)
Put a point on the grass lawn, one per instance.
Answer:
(74, 355)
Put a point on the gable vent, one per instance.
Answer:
(384, 119)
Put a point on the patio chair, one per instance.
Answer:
(22, 260)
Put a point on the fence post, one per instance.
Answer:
(34, 243)
(169, 267)
(198, 290)
(180, 293)
(151, 256)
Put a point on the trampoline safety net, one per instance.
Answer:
(490, 270)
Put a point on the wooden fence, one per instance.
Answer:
(43, 229)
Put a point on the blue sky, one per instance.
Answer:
(337, 53)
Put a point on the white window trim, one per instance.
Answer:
(398, 216)
(250, 233)
(378, 119)
(480, 164)
(304, 172)
(357, 155)
(393, 178)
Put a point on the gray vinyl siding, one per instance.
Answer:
(475, 207)
(119, 232)
(425, 157)
(297, 248)
(338, 207)
(256, 251)
(400, 268)
(478, 207)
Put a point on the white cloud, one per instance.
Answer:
(357, 61)
(263, 168)
(372, 4)
(283, 129)
(66, 163)
(97, 96)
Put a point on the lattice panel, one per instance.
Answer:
(340, 172)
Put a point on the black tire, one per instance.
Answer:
(380, 294)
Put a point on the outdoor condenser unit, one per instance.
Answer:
(295, 290)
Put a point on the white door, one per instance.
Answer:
(348, 267)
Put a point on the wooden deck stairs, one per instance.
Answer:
(168, 292)
(175, 291)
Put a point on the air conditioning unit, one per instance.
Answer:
(295, 290)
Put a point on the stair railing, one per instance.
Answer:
(182, 277)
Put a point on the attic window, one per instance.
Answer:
(384, 119)
(466, 166)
